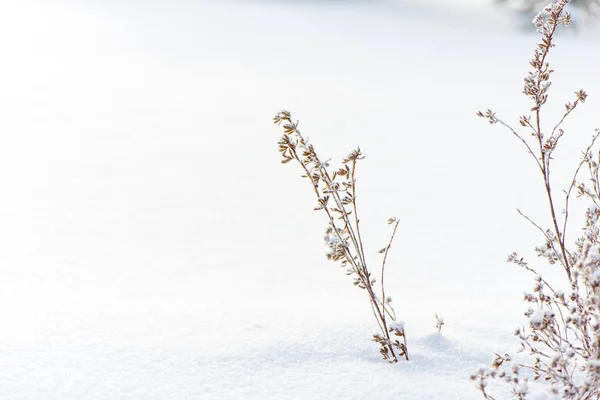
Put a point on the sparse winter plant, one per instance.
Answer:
(562, 339)
(335, 190)
(439, 322)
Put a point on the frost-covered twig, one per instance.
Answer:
(562, 337)
(336, 196)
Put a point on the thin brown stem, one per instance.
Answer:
(387, 249)
(346, 241)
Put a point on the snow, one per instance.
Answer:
(593, 254)
(537, 316)
(154, 247)
(522, 388)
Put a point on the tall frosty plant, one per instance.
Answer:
(561, 341)
(335, 190)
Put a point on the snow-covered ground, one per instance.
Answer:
(152, 246)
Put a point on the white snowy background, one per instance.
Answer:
(152, 246)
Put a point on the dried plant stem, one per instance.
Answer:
(559, 235)
(336, 196)
(355, 208)
(563, 332)
(573, 184)
(387, 249)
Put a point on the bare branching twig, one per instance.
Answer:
(336, 197)
(562, 337)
